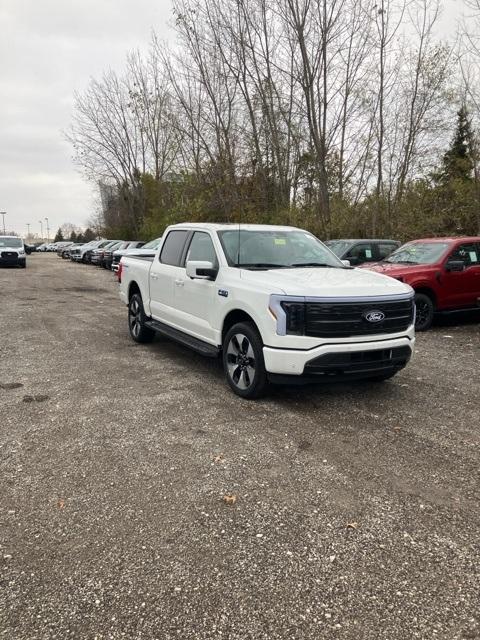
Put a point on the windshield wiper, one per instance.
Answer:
(314, 264)
(260, 265)
(401, 261)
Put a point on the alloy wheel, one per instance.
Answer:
(135, 317)
(241, 361)
(422, 313)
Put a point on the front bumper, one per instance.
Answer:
(329, 362)
(11, 259)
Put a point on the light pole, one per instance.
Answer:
(3, 213)
(28, 230)
(48, 230)
(41, 230)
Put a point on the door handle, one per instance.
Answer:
(179, 283)
(153, 276)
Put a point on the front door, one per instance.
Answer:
(463, 287)
(194, 298)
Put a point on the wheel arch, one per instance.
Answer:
(235, 316)
(133, 288)
(426, 290)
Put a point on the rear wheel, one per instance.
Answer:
(424, 312)
(243, 361)
(136, 321)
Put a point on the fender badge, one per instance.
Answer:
(223, 292)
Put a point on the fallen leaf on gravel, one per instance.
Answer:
(218, 458)
(352, 525)
(231, 500)
(61, 504)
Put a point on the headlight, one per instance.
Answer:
(295, 312)
(289, 313)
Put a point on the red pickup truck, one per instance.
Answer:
(445, 273)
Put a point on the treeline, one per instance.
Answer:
(72, 233)
(347, 117)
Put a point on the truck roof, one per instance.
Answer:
(226, 226)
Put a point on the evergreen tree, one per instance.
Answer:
(458, 161)
(88, 235)
(59, 237)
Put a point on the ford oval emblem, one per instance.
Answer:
(374, 316)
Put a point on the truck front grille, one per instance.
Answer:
(345, 319)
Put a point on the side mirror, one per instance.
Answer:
(455, 265)
(352, 261)
(201, 270)
(346, 263)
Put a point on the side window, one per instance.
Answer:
(468, 253)
(361, 253)
(172, 249)
(201, 248)
(385, 249)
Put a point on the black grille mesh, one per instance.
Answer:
(344, 319)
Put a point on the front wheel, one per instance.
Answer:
(424, 312)
(136, 321)
(243, 361)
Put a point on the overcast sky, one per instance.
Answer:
(49, 49)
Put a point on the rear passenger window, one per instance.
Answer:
(385, 249)
(173, 247)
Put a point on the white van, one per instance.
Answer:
(12, 252)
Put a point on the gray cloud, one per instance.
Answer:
(48, 50)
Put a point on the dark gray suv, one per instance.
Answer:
(359, 251)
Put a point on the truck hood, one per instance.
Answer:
(326, 282)
(394, 269)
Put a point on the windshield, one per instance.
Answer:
(153, 244)
(11, 242)
(418, 253)
(338, 246)
(273, 249)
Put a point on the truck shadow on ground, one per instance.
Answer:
(457, 319)
(209, 373)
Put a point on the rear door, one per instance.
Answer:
(462, 288)
(164, 273)
(194, 298)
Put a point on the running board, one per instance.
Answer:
(204, 348)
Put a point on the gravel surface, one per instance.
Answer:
(355, 509)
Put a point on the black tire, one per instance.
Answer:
(136, 321)
(23, 264)
(243, 361)
(425, 310)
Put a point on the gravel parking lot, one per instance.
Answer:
(357, 507)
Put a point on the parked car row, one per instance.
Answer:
(106, 253)
(443, 272)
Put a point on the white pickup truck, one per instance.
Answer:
(273, 301)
